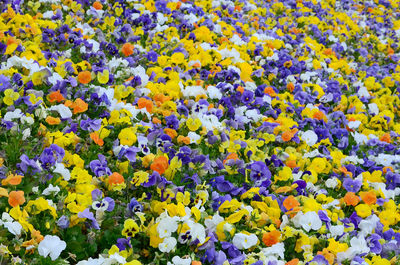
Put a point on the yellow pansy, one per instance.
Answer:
(284, 175)
(363, 210)
(10, 96)
(103, 77)
(127, 136)
(193, 124)
(139, 178)
(131, 228)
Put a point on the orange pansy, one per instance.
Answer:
(290, 202)
(171, 132)
(127, 49)
(95, 137)
(271, 238)
(160, 164)
(84, 77)
(16, 198)
(79, 106)
(368, 197)
(115, 178)
(55, 96)
(145, 103)
(351, 199)
(52, 121)
(12, 180)
(97, 5)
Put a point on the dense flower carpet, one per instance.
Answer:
(199, 132)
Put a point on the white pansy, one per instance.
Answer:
(212, 223)
(381, 187)
(310, 221)
(228, 227)
(335, 203)
(313, 153)
(248, 208)
(161, 19)
(51, 189)
(114, 63)
(210, 122)
(14, 228)
(385, 160)
(363, 92)
(167, 226)
(237, 40)
(359, 138)
(233, 53)
(41, 112)
(116, 258)
(141, 72)
(101, 260)
(235, 69)
(354, 124)
(197, 231)
(180, 261)
(60, 169)
(285, 222)
(5, 217)
(358, 246)
(191, 18)
(243, 241)
(373, 109)
(26, 133)
(167, 245)
(194, 137)
(326, 98)
(333, 38)
(63, 110)
(276, 250)
(250, 86)
(51, 245)
(307, 76)
(16, 114)
(368, 225)
(331, 183)
(54, 78)
(310, 137)
(48, 14)
(267, 99)
(214, 92)
(336, 230)
(254, 115)
(51, 203)
(27, 120)
(352, 160)
(193, 91)
(297, 176)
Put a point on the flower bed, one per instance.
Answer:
(199, 132)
